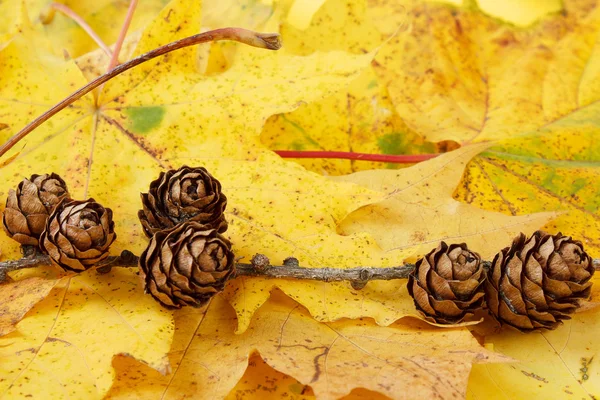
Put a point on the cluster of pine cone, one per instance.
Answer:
(187, 259)
(533, 284)
(75, 234)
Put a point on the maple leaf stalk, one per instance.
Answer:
(270, 41)
(344, 155)
(259, 267)
(48, 16)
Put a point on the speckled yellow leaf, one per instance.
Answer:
(556, 165)
(360, 119)
(17, 298)
(559, 364)
(461, 75)
(64, 347)
(332, 358)
(105, 17)
(538, 173)
(421, 212)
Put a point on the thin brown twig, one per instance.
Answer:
(290, 269)
(68, 12)
(270, 41)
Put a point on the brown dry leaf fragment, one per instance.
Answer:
(333, 358)
(17, 298)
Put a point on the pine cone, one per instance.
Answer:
(28, 207)
(447, 284)
(186, 194)
(536, 283)
(186, 265)
(78, 234)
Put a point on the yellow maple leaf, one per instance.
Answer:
(16, 298)
(165, 114)
(82, 324)
(207, 351)
(553, 364)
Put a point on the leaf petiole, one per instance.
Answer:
(270, 41)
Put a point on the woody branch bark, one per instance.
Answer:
(259, 266)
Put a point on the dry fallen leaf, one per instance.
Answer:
(552, 364)
(208, 358)
(85, 321)
(17, 298)
(421, 212)
(187, 109)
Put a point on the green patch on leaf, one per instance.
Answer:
(392, 143)
(144, 119)
(297, 145)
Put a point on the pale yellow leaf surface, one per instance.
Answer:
(520, 12)
(301, 12)
(333, 358)
(552, 364)
(360, 119)
(460, 75)
(64, 347)
(17, 298)
(421, 212)
(555, 167)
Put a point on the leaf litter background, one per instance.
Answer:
(450, 77)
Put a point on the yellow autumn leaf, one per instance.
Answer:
(520, 12)
(168, 113)
(554, 364)
(209, 359)
(85, 321)
(105, 17)
(418, 214)
(421, 211)
(361, 119)
(16, 298)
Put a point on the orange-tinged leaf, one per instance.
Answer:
(17, 298)
(332, 358)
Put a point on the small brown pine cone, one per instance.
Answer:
(186, 194)
(28, 207)
(78, 234)
(537, 282)
(186, 265)
(446, 284)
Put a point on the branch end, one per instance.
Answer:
(272, 41)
